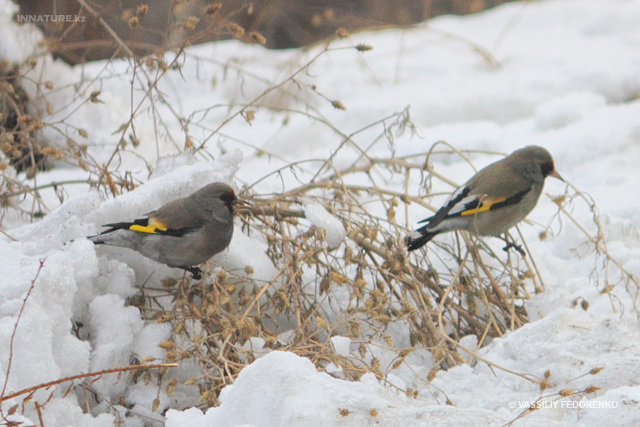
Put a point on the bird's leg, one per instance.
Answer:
(196, 272)
(511, 244)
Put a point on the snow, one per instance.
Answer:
(563, 74)
(276, 389)
(334, 232)
(341, 345)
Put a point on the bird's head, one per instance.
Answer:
(219, 197)
(535, 159)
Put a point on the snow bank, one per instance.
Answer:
(561, 73)
(282, 389)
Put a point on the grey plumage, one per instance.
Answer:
(183, 233)
(493, 200)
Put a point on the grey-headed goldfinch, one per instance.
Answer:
(183, 233)
(495, 199)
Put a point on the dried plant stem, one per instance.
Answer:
(29, 391)
(15, 329)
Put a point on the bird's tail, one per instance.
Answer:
(100, 239)
(418, 238)
(97, 240)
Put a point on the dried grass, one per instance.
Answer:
(369, 289)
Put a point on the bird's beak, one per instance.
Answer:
(241, 203)
(555, 174)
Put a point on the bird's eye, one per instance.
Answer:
(547, 168)
(228, 198)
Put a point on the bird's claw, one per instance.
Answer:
(196, 272)
(516, 247)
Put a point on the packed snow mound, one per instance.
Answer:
(562, 74)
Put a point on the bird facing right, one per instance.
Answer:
(495, 199)
(183, 233)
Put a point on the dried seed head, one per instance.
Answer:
(338, 105)
(325, 285)
(362, 349)
(168, 282)
(328, 14)
(133, 21)
(52, 152)
(142, 10)
(191, 381)
(236, 30)
(342, 33)
(171, 386)
(249, 115)
(391, 214)
(322, 323)
(6, 138)
(167, 345)
(338, 278)
(212, 9)
(94, 97)
(134, 140)
(544, 384)
(256, 37)
(190, 23)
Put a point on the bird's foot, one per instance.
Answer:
(196, 272)
(514, 246)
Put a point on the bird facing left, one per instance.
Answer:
(183, 233)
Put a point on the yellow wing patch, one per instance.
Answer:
(153, 227)
(486, 205)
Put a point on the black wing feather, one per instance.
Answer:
(443, 212)
(177, 232)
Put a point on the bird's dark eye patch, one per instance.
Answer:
(228, 197)
(547, 168)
